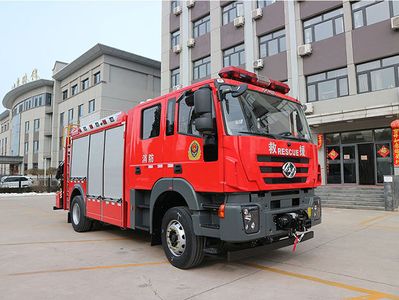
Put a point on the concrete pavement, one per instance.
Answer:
(354, 255)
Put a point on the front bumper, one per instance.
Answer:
(259, 250)
(231, 227)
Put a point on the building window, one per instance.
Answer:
(370, 12)
(35, 146)
(92, 106)
(202, 26)
(234, 56)
(70, 116)
(232, 11)
(323, 26)
(26, 127)
(97, 78)
(150, 122)
(48, 99)
(64, 95)
(327, 85)
(62, 121)
(272, 43)
(37, 101)
(26, 147)
(262, 3)
(85, 84)
(378, 74)
(74, 89)
(175, 77)
(202, 68)
(175, 38)
(36, 125)
(80, 111)
(173, 5)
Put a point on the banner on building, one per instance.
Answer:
(395, 142)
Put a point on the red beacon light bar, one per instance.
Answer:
(251, 78)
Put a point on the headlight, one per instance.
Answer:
(250, 216)
(316, 208)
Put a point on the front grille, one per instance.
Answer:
(283, 159)
(270, 168)
(284, 180)
(278, 170)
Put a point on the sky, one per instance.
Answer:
(36, 34)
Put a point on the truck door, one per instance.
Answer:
(194, 157)
(148, 156)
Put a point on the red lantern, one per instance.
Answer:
(319, 141)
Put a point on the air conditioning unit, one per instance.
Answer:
(177, 87)
(305, 49)
(258, 64)
(190, 3)
(191, 43)
(257, 13)
(177, 49)
(177, 10)
(239, 21)
(395, 23)
(308, 107)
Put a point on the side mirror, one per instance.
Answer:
(203, 110)
(203, 101)
(236, 91)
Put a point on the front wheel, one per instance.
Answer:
(80, 222)
(182, 247)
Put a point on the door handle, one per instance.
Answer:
(177, 169)
(137, 170)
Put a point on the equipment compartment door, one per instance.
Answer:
(366, 164)
(113, 175)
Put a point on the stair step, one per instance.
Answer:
(354, 206)
(370, 199)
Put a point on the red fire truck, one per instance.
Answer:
(222, 166)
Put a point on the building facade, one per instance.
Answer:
(30, 122)
(100, 82)
(340, 58)
(4, 140)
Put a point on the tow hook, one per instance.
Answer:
(298, 239)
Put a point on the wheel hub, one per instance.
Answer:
(76, 214)
(176, 238)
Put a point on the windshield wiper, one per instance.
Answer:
(259, 134)
(288, 135)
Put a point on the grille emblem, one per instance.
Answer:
(289, 170)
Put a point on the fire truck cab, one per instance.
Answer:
(217, 167)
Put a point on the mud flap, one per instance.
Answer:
(59, 203)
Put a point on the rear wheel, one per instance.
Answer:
(182, 247)
(80, 222)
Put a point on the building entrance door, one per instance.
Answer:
(366, 163)
(349, 163)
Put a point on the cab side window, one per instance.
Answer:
(150, 122)
(170, 117)
(186, 117)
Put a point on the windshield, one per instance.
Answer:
(260, 114)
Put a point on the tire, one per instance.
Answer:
(177, 230)
(80, 222)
